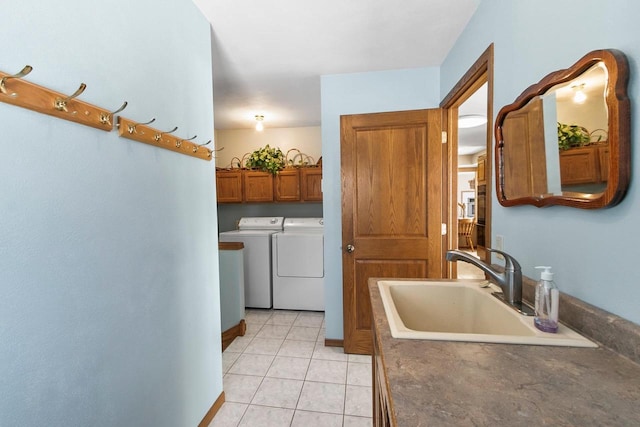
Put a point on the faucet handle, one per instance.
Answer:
(509, 261)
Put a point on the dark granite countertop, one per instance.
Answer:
(439, 383)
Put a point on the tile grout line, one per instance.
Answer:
(257, 388)
(265, 375)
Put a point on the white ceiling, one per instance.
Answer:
(473, 140)
(269, 55)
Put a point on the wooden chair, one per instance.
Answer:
(465, 229)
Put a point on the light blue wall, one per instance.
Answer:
(354, 94)
(593, 253)
(109, 307)
(229, 214)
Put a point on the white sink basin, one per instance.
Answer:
(461, 310)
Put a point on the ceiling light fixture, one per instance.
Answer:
(259, 125)
(471, 121)
(579, 96)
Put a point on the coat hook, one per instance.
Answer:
(131, 128)
(26, 70)
(215, 151)
(180, 141)
(61, 103)
(105, 118)
(195, 147)
(158, 136)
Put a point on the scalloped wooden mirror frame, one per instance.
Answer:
(619, 117)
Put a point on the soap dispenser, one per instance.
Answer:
(547, 299)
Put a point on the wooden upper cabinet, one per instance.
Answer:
(311, 183)
(584, 165)
(603, 156)
(258, 186)
(229, 186)
(481, 172)
(252, 186)
(287, 185)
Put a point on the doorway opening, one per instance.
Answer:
(469, 117)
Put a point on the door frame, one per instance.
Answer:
(479, 73)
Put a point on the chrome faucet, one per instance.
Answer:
(510, 281)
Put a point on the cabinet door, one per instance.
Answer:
(287, 185)
(229, 186)
(579, 166)
(311, 182)
(258, 186)
(603, 156)
(481, 171)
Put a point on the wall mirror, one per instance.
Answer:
(565, 140)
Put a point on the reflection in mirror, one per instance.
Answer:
(565, 140)
(582, 126)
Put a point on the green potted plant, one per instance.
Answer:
(266, 159)
(570, 136)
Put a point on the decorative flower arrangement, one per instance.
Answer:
(267, 159)
(570, 136)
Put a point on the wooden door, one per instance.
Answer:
(525, 160)
(391, 166)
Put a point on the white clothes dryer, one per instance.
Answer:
(298, 265)
(255, 233)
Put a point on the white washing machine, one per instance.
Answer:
(255, 233)
(298, 265)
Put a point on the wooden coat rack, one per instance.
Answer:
(15, 90)
(141, 132)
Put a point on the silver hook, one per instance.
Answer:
(180, 141)
(131, 128)
(61, 103)
(158, 136)
(26, 70)
(195, 147)
(215, 151)
(105, 118)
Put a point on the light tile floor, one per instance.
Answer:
(281, 374)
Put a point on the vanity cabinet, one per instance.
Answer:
(381, 410)
(252, 186)
(584, 165)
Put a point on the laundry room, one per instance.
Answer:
(303, 146)
(269, 194)
(234, 145)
